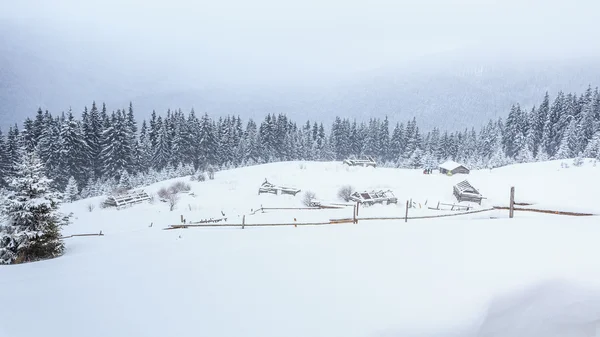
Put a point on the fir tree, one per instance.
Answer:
(569, 144)
(32, 228)
(72, 190)
(124, 180)
(416, 159)
(73, 152)
(5, 168)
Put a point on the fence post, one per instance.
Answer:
(181, 218)
(511, 211)
(354, 214)
(438, 206)
(243, 221)
(406, 215)
(357, 206)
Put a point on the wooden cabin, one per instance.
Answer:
(452, 167)
(366, 162)
(464, 191)
(374, 197)
(267, 187)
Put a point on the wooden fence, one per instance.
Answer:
(74, 235)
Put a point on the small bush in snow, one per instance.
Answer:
(201, 176)
(163, 193)
(152, 198)
(172, 199)
(179, 186)
(564, 165)
(308, 198)
(578, 161)
(345, 192)
(211, 172)
(302, 166)
(90, 207)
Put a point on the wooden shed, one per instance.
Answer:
(366, 162)
(267, 187)
(452, 167)
(374, 197)
(464, 191)
(126, 199)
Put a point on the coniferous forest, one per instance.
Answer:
(92, 152)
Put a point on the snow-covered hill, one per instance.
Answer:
(374, 278)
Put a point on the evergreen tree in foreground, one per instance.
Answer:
(31, 231)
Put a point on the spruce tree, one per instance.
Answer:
(124, 180)
(32, 229)
(5, 168)
(568, 145)
(72, 190)
(207, 142)
(73, 153)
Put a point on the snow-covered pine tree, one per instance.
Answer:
(515, 128)
(587, 125)
(538, 121)
(144, 149)
(384, 140)
(569, 144)
(207, 143)
(38, 125)
(72, 190)
(416, 159)
(371, 144)
(429, 160)
(162, 151)
(124, 181)
(412, 137)
(237, 133)
(4, 162)
(250, 143)
(525, 154)
(224, 151)
(592, 149)
(12, 146)
(92, 135)
(28, 135)
(115, 147)
(73, 153)
(356, 139)
(32, 229)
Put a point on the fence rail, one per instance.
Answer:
(547, 211)
(74, 235)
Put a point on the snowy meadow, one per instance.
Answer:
(425, 277)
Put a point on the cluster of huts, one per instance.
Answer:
(463, 191)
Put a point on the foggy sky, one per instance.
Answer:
(180, 42)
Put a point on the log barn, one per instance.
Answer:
(452, 167)
(464, 191)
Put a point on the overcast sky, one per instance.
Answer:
(261, 40)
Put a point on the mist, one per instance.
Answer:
(267, 56)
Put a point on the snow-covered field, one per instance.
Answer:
(377, 278)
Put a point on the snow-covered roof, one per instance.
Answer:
(451, 165)
(465, 187)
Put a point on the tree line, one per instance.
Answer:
(100, 149)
